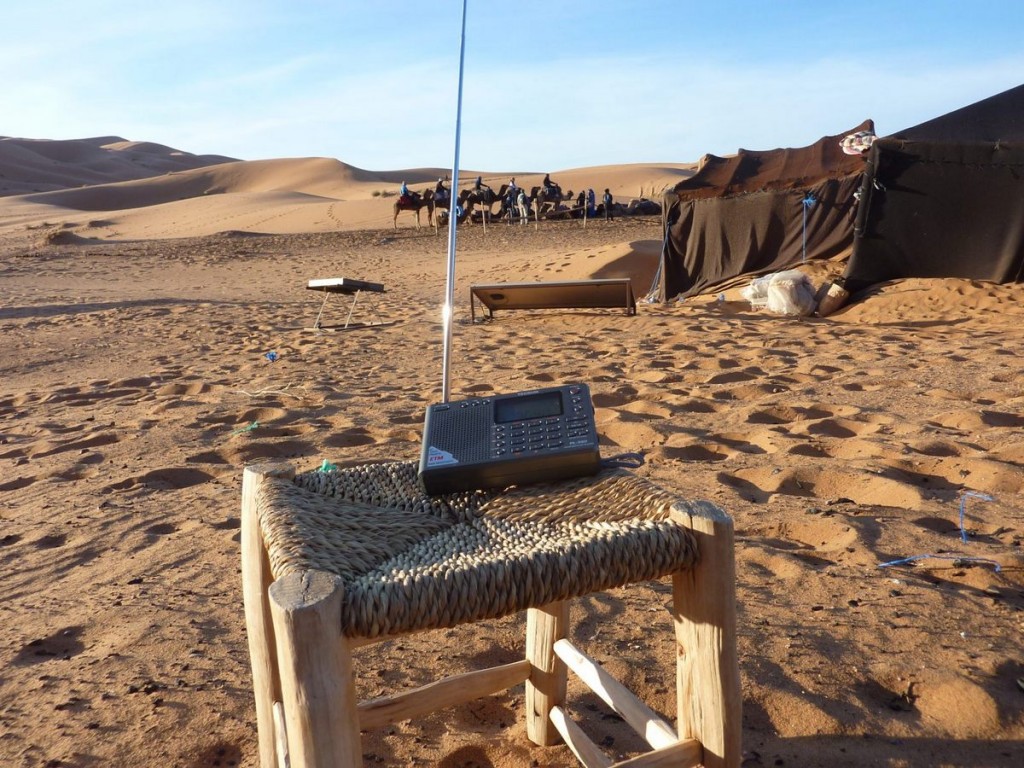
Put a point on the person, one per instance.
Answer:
(511, 194)
(478, 185)
(591, 203)
(440, 191)
(403, 193)
(524, 210)
(549, 185)
(608, 205)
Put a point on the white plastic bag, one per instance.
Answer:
(757, 292)
(790, 293)
(784, 293)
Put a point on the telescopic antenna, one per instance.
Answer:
(449, 298)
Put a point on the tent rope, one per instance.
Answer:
(808, 202)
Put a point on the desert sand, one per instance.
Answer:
(137, 315)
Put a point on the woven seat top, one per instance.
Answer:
(410, 561)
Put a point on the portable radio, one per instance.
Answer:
(538, 435)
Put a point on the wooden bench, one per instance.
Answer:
(610, 293)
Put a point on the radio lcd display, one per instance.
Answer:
(542, 404)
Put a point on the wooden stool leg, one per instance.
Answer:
(315, 664)
(709, 701)
(256, 579)
(545, 688)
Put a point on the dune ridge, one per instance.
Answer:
(40, 165)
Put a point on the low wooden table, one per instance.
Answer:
(348, 287)
(610, 293)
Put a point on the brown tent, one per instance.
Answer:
(945, 198)
(759, 212)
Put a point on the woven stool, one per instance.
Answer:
(335, 560)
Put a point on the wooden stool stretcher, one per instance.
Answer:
(334, 560)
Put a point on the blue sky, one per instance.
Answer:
(548, 85)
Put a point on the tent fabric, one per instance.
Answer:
(997, 118)
(937, 209)
(945, 198)
(714, 240)
(745, 214)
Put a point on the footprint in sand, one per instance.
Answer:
(840, 428)
(971, 420)
(51, 541)
(190, 389)
(170, 479)
(160, 529)
(864, 488)
(51, 448)
(62, 644)
(618, 397)
(629, 430)
(748, 392)
(785, 414)
(935, 447)
(696, 405)
(18, 483)
(756, 441)
(694, 452)
(350, 438)
(736, 377)
(245, 416)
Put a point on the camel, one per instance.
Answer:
(414, 202)
(545, 202)
(485, 198)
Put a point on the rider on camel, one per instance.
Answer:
(440, 191)
(479, 185)
(511, 194)
(403, 192)
(549, 185)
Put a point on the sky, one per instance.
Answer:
(547, 85)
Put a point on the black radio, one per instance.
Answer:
(494, 442)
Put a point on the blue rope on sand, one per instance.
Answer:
(954, 558)
(963, 508)
(963, 537)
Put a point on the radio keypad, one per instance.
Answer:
(539, 435)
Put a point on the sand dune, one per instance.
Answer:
(38, 165)
(171, 190)
(137, 385)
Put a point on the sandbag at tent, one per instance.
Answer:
(945, 198)
(758, 212)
